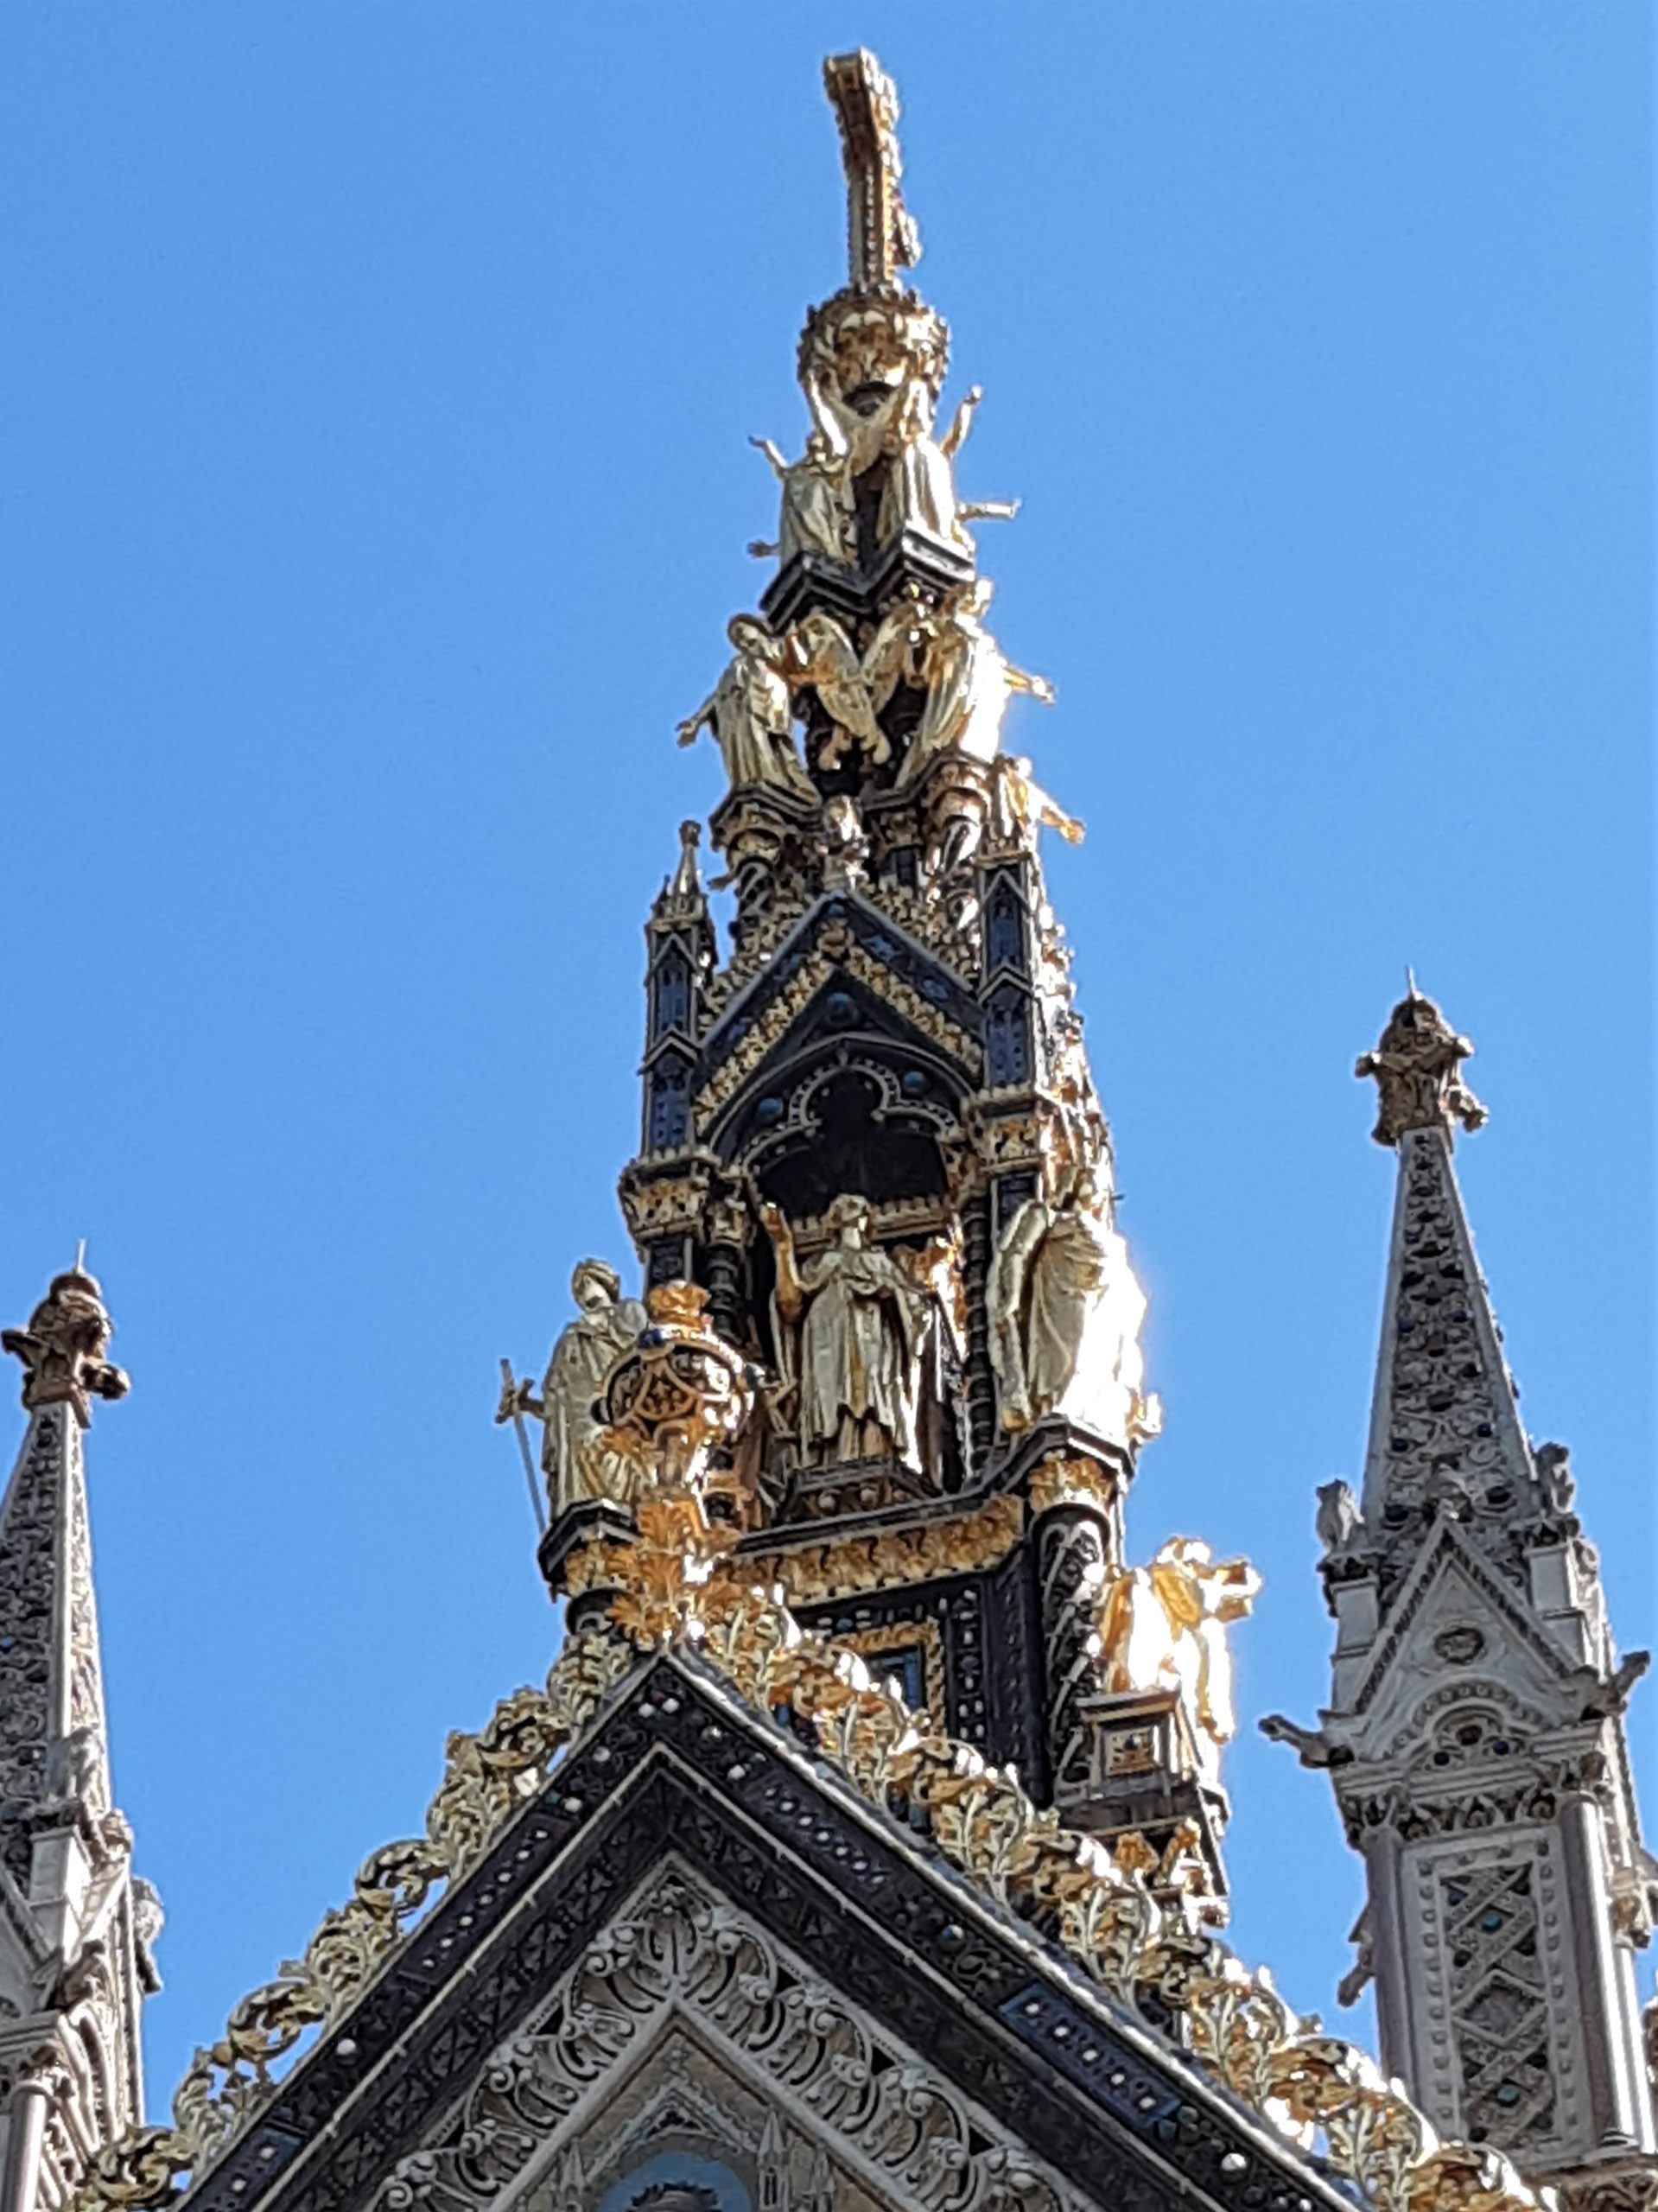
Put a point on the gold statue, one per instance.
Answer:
(967, 678)
(1164, 1627)
(749, 712)
(1064, 1313)
(580, 1458)
(816, 505)
(1019, 807)
(826, 658)
(920, 489)
(849, 1327)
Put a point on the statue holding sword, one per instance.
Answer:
(578, 1459)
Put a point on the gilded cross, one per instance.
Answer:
(881, 235)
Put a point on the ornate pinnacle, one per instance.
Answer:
(62, 1349)
(1415, 1066)
(681, 896)
(881, 235)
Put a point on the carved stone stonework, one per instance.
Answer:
(51, 1693)
(1475, 1731)
(775, 2025)
(1415, 1067)
(62, 1349)
(77, 1962)
(927, 1551)
(1618, 2185)
(1071, 1568)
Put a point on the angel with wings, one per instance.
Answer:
(853, 689)
(968, 679)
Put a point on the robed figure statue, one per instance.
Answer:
(1064, 1311)
(580, 1456)
(849, 1328)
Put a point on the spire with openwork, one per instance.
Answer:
(1475, 1735)
(75, 1927)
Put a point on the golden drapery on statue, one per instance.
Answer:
(579, 1455)
(1164, 1627)
(849, 1326)
(1064, 1313)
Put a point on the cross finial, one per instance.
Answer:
(881, 235)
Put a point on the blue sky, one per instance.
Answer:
(377, 384)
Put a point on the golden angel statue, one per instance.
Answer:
(968, 679)
(1164, 1627)
(1064, 1311)
(849, 1327)
(750, 711)
(853, 691)
(580, 1459)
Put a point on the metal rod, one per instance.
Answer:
(524, 1453)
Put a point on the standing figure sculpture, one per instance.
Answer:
(751, 712)
(967, 680)
(1065, 1312)
(849, 1327)
(816, 515)
(1417, 1071)
(920, 488)
(1019, 808)
(579, 1455)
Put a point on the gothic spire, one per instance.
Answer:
(75, 1927)
(1445, 1424)
(1475, 1734)
(52, 1738)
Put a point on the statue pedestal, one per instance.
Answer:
(811, 582)
(595, 1521)
(1146, 1799)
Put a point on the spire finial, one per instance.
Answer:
(687, 881)
(63, 1348)
(1416, 1070)
(881, 235)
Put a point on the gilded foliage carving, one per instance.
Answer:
(845, 1569)
(486, 1778)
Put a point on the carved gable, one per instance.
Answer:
(688, 2036)
(694, 1932)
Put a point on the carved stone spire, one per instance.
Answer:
(1444, 1421)
(1475, 1734)
(75, 1927)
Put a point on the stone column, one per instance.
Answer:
(1071, 1555)
(1616, 2111)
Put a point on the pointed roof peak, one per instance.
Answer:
(1416, 1067)
(1446, 1432)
